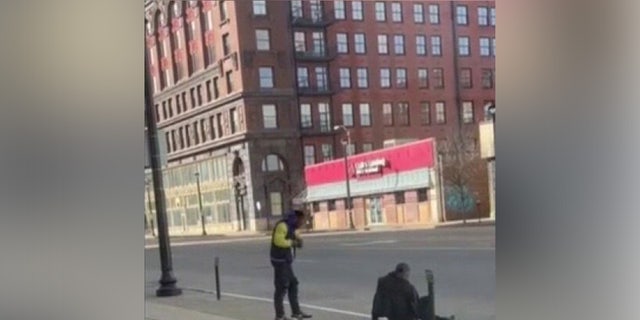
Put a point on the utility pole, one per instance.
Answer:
(348, 206)
(167, 281)
(204, 228)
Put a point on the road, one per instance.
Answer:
(340, 272)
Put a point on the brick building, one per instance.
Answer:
(248, 92)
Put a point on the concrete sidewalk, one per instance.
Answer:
(151, 242)
(198, 305)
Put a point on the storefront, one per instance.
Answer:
(181, 192)
(392, 186)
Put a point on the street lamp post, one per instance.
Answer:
(151, 224)
(347, 143)
(204, 228)
(167, 281)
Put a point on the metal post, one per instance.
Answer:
(432, 298)
(151, 224)
(217, 275)
(204, 227)
(168, 280)
(348, 205)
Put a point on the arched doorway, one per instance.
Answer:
(240, 191)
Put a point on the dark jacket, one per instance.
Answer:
(396, 299)
(282, 239)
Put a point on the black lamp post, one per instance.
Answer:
(167, 281)
(347, 143)
(151, 224)
(204, 228)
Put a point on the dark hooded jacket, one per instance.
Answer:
(396, 299)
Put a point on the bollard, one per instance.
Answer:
(432, 298)
(217, 274)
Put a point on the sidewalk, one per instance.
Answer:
(151, 242)
(194, 305)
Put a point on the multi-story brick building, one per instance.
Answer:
(248, 92)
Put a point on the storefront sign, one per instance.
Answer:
(370, 167)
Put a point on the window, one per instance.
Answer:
(418, 13)
(421, 45)
(331, 205)
(262, 40)
(438, 78)
(272, 163)
(300, 42)
(463, 46)
(356, 10)
(184, 102)
(219, 125)
(399, 197)
(361, 47)
(174, 145)
(461, 15)
(234, 120)
(275, 199)
(398, 41)
(167, 137)
(209, 96)
(182, 145)
(316, 10)
(259, 7)
(434, 14)
(343, 42)
(296, 9)
(492, 16)
(423, 195)
(363, 78)
(347, 114)
(164, 110)
(318, 43)
(345, 78)
(436, 46)
(196, 133)
(193, 98)
(493, 47)
(467, 112)
(381, 14)
(351, 149)
(229, 77)
(387, 112)
(306, 119)
(365, 115)
(401, 78)
(423, 78)
(485, 47)
(465, 78)
(483, 16)
(403, 113)
(199, 92)
(325, 117)
(170, 107)
(309, 155)
(322, 81)
(204, 131)
(487, 78)
(338, 6)
(216, 89)
(226, 45)
(327, 152)
(303, 77)
(441, 117)
(425, 113)
(366, 147)
(396, 12)
(269, 116)
(385, 78)
(383, 44)
(266, 77)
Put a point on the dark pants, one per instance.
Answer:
(286, 283)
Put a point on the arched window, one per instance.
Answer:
(272, 163)
(206, 27)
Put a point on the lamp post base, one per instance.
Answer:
(170, 291)
(168, 286)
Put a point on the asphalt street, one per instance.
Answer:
(340, 272)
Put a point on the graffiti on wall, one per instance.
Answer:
(460, 199)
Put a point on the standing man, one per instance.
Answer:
(283, 240)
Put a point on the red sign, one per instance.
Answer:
(407, 157)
